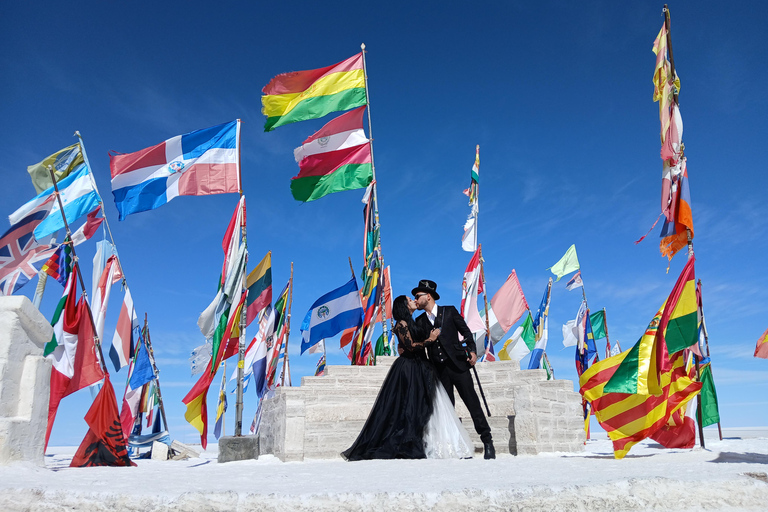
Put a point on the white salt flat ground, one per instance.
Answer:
(727, 475)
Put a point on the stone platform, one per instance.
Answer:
(322, 417)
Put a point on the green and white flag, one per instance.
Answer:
(567, 264)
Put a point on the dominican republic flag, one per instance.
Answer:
(200, 163)
(78, 196)
(21, 257)
(332, 313)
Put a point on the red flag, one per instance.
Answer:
(75, 364)
(104, 444)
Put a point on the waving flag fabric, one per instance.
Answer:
(520, 344)
(567, 264)
(761, 348)
(342, 132)
(471, 286)
(63, 162)
(199, 163)
(77, 194)
(302, 95)
(509, 304)
(469, 239)
(121, 350)
(332, 313)
(21, 257)
(541, 325)
(259, 284)
(75, 364)
(336, 171)
(575, 282)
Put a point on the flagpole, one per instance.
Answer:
(607, 339)
(667, 25)
(224, 387)
(243, 322)
(287, 327)
(489, 342)
(76, 262)
(151, 353)
(374, 192)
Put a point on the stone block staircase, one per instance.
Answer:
(322, 417)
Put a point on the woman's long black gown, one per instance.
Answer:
(395, 427)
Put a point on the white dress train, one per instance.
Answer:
(444, 435)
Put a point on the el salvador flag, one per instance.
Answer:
(332, 313)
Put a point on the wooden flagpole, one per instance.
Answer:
(375, 197)
(76, 263)
(607, 338)
(287, 328)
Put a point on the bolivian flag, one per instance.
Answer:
(302, 95)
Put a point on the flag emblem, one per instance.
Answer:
(323, 312)
(176, 166)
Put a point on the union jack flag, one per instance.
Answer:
(21, 256)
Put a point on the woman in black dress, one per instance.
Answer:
(403, 411)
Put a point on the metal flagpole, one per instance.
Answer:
(76, 263)
(243, 312)
(375, 195)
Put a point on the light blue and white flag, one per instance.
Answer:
(78, 196)
(332, 313)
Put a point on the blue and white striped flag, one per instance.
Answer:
(332, 313)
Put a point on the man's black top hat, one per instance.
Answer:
(427, 286)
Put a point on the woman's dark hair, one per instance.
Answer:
(400, 312)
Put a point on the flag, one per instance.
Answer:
(674, 232)
(386, 296)
(573, 330)
(567, 264)
(89, 227)
(255, 359)
(541, 325)
(574, 282)
(57, 322)
(497, 331)
(77, 194)
(469, 239)
(586, 347)
(710, 412)
(121, 350)
(630, 418)
(199, 163)
(520, 344)
(335, 171)
(275, 342)
(259, 284)
(471, 286)
(678, 326)
(75, 364)
(60, 263)
(140, 374)
(342, 132)
(104, 443)
(320, 368)
(761, 349)
(111, 275)
(332, 313)
(370, 295)
(21, 256)
(509, 304)
(221, 408)
(598, 324)
(302, 95)
(63, 162)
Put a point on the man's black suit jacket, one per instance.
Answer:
(451, 324)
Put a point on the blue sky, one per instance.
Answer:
(557, 95)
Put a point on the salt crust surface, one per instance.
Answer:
(728, 475)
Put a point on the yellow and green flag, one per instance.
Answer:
(63, 162)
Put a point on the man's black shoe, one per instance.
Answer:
(490, 451)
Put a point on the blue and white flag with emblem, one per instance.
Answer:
(331, 314)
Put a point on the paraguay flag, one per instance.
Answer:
(200, 163)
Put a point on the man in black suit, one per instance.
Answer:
(452, 359)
